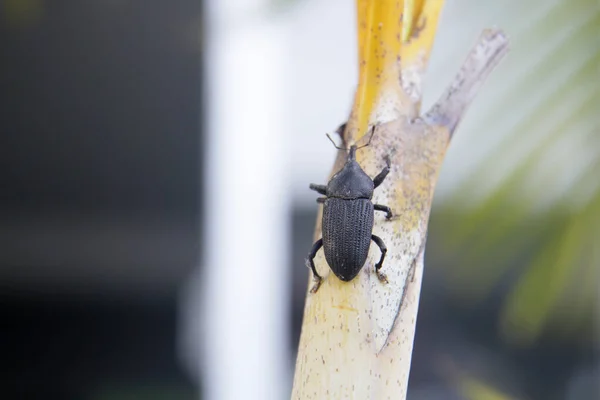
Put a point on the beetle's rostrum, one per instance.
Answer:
(347, 225)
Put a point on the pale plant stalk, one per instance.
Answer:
(357, 337)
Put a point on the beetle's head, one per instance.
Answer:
(352, 150)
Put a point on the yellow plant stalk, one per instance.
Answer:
(357, 336)
(394, 40)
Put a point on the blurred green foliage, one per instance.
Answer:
(473, 389)
(21, 13)
(536, 236)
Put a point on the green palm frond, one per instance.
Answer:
(541, 219)
(473, 389)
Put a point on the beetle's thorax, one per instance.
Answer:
(351, 182)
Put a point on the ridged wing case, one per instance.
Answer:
(347, 228)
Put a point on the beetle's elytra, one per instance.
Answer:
(347, 226)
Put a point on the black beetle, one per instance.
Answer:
(347, 224)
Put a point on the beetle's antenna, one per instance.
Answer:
(371, 138)
(334, 145)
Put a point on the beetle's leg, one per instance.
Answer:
(383, 249)
(321, 200)
(386, 209)
(381, 176)
(322, 189)
(310, 263)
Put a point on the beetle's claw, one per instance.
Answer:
(382, 277)
(316, 286)
(387, 159)
(389, 216)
